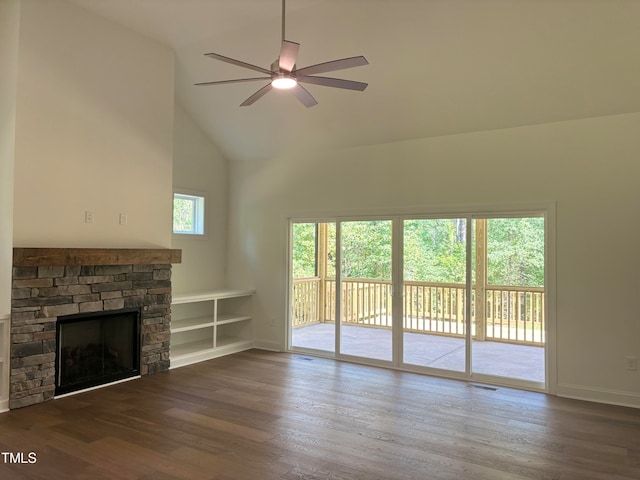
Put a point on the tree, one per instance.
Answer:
(182, 215)
(515, 251)
(434, 250)
(304, 250)
(366, 249)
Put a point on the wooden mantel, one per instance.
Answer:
(42, 257)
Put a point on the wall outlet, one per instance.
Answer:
(632, 363)
(88, 216)
(122, 219)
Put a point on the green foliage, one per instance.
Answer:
(304, 250)
(515, 251)
(182, 215)
(331, 250)
(366, 250)
(434, 250)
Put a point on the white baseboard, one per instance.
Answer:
(599, 395)
(265, 345)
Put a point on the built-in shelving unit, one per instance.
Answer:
(5, 324)
(210, 324)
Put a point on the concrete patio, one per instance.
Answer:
(521, 362)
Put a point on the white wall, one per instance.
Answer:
(9, 27)
(94, 132)
(199, 167)
(588, 167)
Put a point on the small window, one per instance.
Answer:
(188, 214)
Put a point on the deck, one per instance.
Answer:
(523, 362)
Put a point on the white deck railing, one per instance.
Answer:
(513, 314)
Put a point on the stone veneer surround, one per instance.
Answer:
(41, 294)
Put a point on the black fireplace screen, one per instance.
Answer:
(98, 348)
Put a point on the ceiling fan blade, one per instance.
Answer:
(257, 96)
(304, 96)
(333, 82)
(288, 55)
(237, 80)
(333, 65)
(238, 63)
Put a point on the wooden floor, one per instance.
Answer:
(260, 415)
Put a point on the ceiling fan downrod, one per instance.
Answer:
(283, 13)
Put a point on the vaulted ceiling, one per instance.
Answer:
(437, 67)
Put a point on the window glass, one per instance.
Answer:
(188, 214)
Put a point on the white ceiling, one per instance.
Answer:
(437, 67)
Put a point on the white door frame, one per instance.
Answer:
(545, 209)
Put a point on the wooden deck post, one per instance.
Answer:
(481, 279)
(322, 240)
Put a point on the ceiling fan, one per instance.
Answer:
(284, 75)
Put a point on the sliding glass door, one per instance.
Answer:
(434, 273)
(313, 289)
(462, 296)
(509, 328)
(366, 318)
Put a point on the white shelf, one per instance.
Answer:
(187, 324)
(229, 341)
(190, 348)
(207, 325)
(5, 324)
(209, 295)
(232, 318)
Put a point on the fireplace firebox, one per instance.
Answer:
(96, 348)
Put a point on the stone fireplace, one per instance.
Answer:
(49, 283)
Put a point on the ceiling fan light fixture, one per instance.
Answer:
(282, 81)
